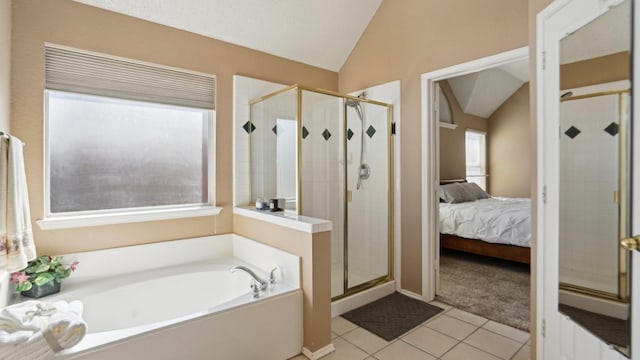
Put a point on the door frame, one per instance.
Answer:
(430, 151)
(555, 22)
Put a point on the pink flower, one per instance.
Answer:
(74, 265)
(19, 278)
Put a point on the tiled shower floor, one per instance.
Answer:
(451, 335)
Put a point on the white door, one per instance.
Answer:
(635, 191)
(559, 336)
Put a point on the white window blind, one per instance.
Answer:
(102, 75)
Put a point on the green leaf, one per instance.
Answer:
(24, 287)
(42, 268)
(43, 279)
(31, 269)
(66, 273)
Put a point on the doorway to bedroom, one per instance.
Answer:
(477, 229)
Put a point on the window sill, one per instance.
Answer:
(448, 126)
(66, 222)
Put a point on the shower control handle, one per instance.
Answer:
(255, 287)
(631, 243)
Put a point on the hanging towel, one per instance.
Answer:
(4, 161)
(36, 330)
(15, 217)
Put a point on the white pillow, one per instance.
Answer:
(475, 191)
(454, 193)
(461, 192)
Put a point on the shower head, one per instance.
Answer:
(352, 103)
(355, 103)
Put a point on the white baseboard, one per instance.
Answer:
(595, 305)
(313, 355)
(411, 294)
(362, 298)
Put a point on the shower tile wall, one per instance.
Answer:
(588, 179)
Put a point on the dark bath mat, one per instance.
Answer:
(392, 316)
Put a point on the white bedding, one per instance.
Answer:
(494, 220)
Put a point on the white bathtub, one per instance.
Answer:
(194, 308)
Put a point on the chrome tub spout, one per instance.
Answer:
(261, 282)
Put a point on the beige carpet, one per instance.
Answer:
(495, 289)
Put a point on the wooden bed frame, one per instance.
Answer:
(501, 251)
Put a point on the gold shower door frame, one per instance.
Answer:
(390, 263)
(622, 198)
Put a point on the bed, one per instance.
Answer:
(473, 221)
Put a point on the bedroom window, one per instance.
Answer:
(125, 141)
(475, 155)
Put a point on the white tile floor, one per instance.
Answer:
(451, 335)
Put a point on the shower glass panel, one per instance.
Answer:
(337, 167)
(323, 173)
(368, 188)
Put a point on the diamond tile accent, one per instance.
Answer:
(572, 132)
(612, 129)
(349, 134)
(326, 134)
(248, 127)
(370, 131)
(275, 129)
(305, 132)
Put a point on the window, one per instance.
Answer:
(125, 142)
(475, 155)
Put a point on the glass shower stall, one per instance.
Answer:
(329, 155)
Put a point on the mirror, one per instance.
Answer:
(273, 148)
(595, 74)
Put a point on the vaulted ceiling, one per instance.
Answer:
(315, 32)
(481, 93)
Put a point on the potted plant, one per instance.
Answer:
(42, 276)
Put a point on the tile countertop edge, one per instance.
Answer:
(296, 222)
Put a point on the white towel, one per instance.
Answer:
(4, 161)
(15, 224)
(35, 330)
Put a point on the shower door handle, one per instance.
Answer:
(631, 243)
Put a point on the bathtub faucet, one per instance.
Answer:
(262, 283)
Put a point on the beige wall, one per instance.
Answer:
(315, 251)
(452, 141)
(509, 148)
(407, 38)
(72, 24)
(5, 63)
(598, 70)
